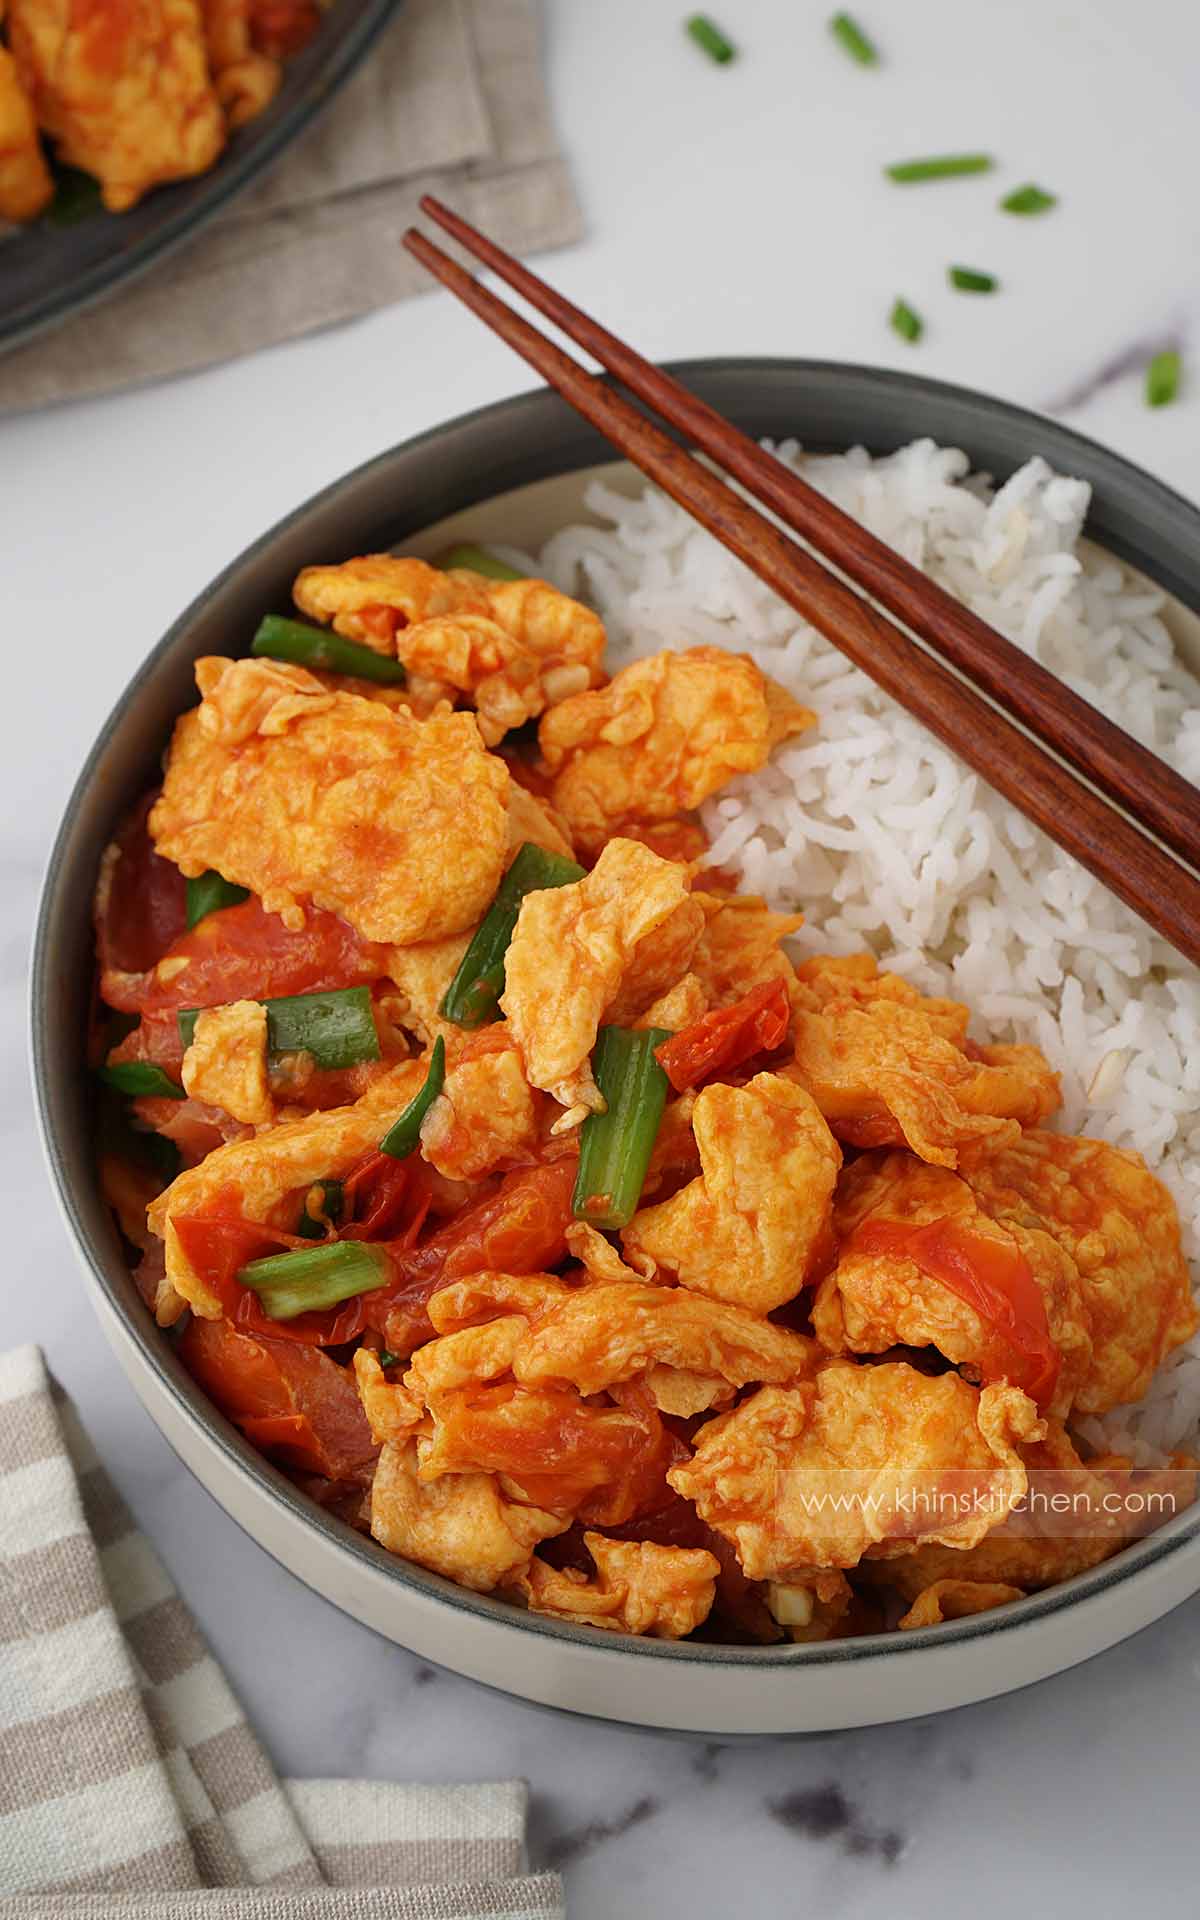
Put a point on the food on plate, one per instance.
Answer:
(556, 1208)
(133, 95)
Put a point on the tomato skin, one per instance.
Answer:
(141, 903)
(725, 1038)
(520, 1227)
(292, 1400)
(281, 28)
(245, 953)
(995, 1280)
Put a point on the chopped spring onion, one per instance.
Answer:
(403, 1137)
(139, 1078)
(907, 323)
(855, 41)
(323, 1204)
(615, 1146)
(1028, 199)
(943, 166)
(710, 39)
(76, 198)
(1162, 378)
(475, 990)
(336, 1028)
(209, 894)
(304, 1281)
(478, 560)
(386, 1358)
(971, 280)
(306, 646)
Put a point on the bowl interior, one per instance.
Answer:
(516, 472)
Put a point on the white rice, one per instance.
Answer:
(884, 839)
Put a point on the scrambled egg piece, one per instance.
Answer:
(597, 1336)
(531, 818)
(888, 1067)
(739, 948)
(874, 1300)
(226, 1064)
(399, 825)
(393, 1413)
(422, 974)
(955, 1600)
(577, 948)
(255, 1177)
(754, 1224)
(26, 185)
(122, 88)
(460, 1524)
(817, 1474)
(487, 1296)
(486, 1117)
(661, 737)
(1119, 1226)
(513, 647)
(1078, 1514)
(245, 81)
(638, 1588)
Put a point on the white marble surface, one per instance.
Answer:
(738, 210)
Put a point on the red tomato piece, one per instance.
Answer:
(994, 1279)
(281, 28)
(141, 907)
(291, 1400)
(725, 1038)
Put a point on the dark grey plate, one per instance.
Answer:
(464, 463)
(48, 273)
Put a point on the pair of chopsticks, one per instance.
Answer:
(1130, 819)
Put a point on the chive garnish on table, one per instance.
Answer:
(615, 1146)
(972, 280)
(906, 322)
(307, 646)
(324, 1198)
(1029, 199)
(847, 31)
(1162, 378)
(306, 1281)
(479, 560)
(473, 994)
(710, 39)
(404, 1136)
(336, 1028)
(208, 894)
(943, 166)
(139, 1079)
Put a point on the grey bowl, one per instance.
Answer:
(48, 273)
(534, 444)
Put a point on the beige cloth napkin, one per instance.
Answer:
(450, 100)
(130, 1783)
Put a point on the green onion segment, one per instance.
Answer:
(403, 1137)
(941, 166)
(478, 560)
(615, 1146)
(906, 322)
(336, 1028)
(473, 994)
(139, 1078)
(308, 646)
(851, 36)
(307, 1280)
(1029, 199)
(209, 894)
(1162, 378)
(329, 1200)
(710, 39)
(971, 280)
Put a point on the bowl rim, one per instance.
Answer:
(1178, 1536)
(230, 174)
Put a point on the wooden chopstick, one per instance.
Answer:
(1143, 874)
(1160, 799)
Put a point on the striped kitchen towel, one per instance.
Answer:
(130, 1783)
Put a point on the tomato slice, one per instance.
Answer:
(141, 903)
(245, 953)
(520, 1227)
(717, 1041)
(291, 1400)
(281, 28)
(994, 1279)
